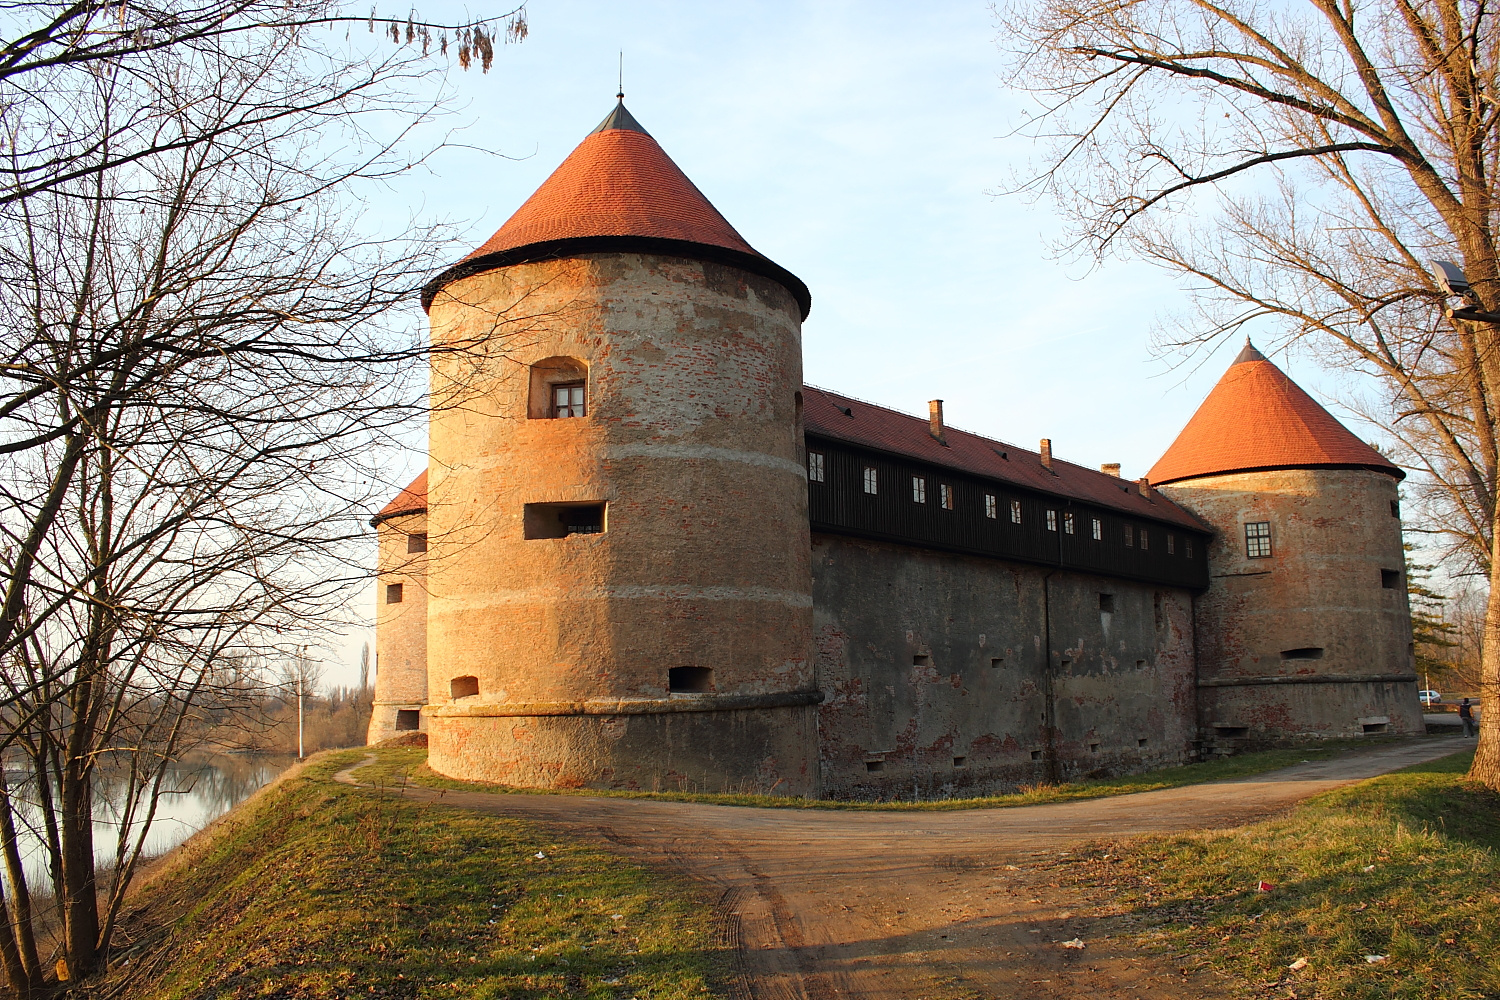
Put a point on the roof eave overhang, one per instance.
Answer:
(574, 246)
(384, 516)
(1389, 470)
(1203, 526)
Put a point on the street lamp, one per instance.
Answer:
(1453, 281)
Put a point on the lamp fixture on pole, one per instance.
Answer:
(1453, 281)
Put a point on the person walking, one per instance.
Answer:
(1466, 716)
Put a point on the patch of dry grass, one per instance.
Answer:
(1405, 867)
(318, 889)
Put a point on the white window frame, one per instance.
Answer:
(815, 467)
(1068, 525)
(872, 480)
(945, 496)
(1051, 519)
(1015, 512)
(1129, 536)
(991, 506)
(1098, 530)
(918, 489)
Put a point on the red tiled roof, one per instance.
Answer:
(618, 182)
(896, 433)
(619, 190)
(412, 500)
(1257, 418)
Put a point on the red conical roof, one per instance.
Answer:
(618, 191)
(1257, 418)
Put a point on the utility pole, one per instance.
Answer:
(301, 684)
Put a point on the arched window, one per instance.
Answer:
(559, 389)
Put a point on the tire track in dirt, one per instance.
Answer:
(823, 904)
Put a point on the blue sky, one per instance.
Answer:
(862, 146)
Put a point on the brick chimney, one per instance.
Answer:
(935, 421)
(1145, 485)
(1111, 469)
(1046, 450)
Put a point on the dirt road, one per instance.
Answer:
(887, 905)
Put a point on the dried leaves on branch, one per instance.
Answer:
(1299, 164)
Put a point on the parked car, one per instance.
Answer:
(1429, 698)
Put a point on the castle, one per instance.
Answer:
(645, 555)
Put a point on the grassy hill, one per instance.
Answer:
(318, 889)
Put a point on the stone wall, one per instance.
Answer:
(400, 629)
(938, 675)
(692, 444)
(1314, 640)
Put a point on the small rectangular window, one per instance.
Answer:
(1051, 520)
(945, 495)
(1015, 512)
(1129, 536)
(1187, 547)
(1067, 523)
(1171, 544)
(1107, 603)
(568, 400)
(1098, 529)
(918, 489)
(990, 506)
(1258, 539)
(871, 479)
(1390, 579)
(559, 520)
(814, 467)
(393, 593)
(690, 680)
(408, 719)
(1145, 539)
(416, 543)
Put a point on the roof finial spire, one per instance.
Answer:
(1248, 353)
(621, 95)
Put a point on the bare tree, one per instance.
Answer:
(207, 349)
(1298, 164)
(45, 47)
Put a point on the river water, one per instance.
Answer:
(196, 791)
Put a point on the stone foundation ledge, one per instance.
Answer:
(1254, 680)
(629, 706)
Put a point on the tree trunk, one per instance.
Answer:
(80, 903)
(24, 942)
(16, 976)
(1486, 766)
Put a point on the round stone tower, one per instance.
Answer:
(401, 614)
(620, 565)
(1305, 628)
